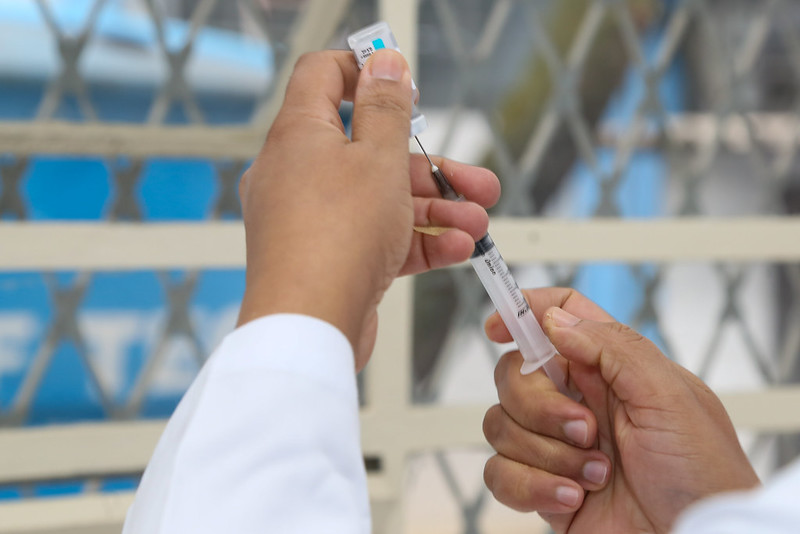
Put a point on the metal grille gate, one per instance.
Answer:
(688, 230)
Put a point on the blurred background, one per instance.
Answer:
(647, 152)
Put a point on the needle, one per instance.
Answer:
(444, 186)
(434, 168)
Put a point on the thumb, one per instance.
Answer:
(382, 105)
(629, 363)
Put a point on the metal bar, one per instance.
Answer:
(95, 514)
(403, 17)
(773, 410)
(121, 246)
(85, 514)
(388, 393)
(85, 139)
(96, 449)
(759, 239)
(131, 246)
(777, 130)
(76, 451)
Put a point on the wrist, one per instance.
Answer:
(316, 290)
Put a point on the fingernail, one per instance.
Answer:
(563, 318)
(577, 431)
(567, 495)
(595, 472)
(386, 66)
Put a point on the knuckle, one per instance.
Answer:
(573, 294)
(619, 329)
(521, 498)
(501, 369)
(314, 58)
(489, 472)
(627, 335)
(498, 371)
(492, 424)
(511, 488)
(501, 481)
(550, 458)
(308, 58)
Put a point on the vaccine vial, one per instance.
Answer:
(366, 42)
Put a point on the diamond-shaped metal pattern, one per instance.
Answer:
(723, 45)
(634, 107)
(11, 173)
(70, 47)
(261, 23)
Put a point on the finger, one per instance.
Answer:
(467, 216)
(629, 362)
(475, 183)
(540, 300)
(468, 223)
(319, 83)
(382, 107)
(434, 252)
(527, 489)
(588, 467)
(534, 403)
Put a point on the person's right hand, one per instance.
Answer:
(329, 219)
(649, 439)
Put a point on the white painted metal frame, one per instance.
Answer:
(220, 245)
(392, 428)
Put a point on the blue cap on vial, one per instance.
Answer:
(365, 42)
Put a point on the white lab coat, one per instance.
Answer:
(772, 509)
(266, 440)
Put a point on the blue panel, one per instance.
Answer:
(113, 484)
(10, 492)
(613, 287)
(121, 103)
(159, 406)
(60, 488)
(643, 188)
(66, 392)
(122, 314)
(59, 188)
(137, 290)
(178, 189)
(19, 99)
(25, 312)
(218, 289)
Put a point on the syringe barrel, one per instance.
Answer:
(514, 309)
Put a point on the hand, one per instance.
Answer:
(329, 220)
(649, 440)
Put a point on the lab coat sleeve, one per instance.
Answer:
(265, 440)
(772, 509)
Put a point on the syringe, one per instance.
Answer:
(505, 294)
(536, 349)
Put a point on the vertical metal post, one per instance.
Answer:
(389, 379)
(403, 17)
(388, 397)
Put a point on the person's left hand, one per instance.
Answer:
(648, 439)
(329, 220)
